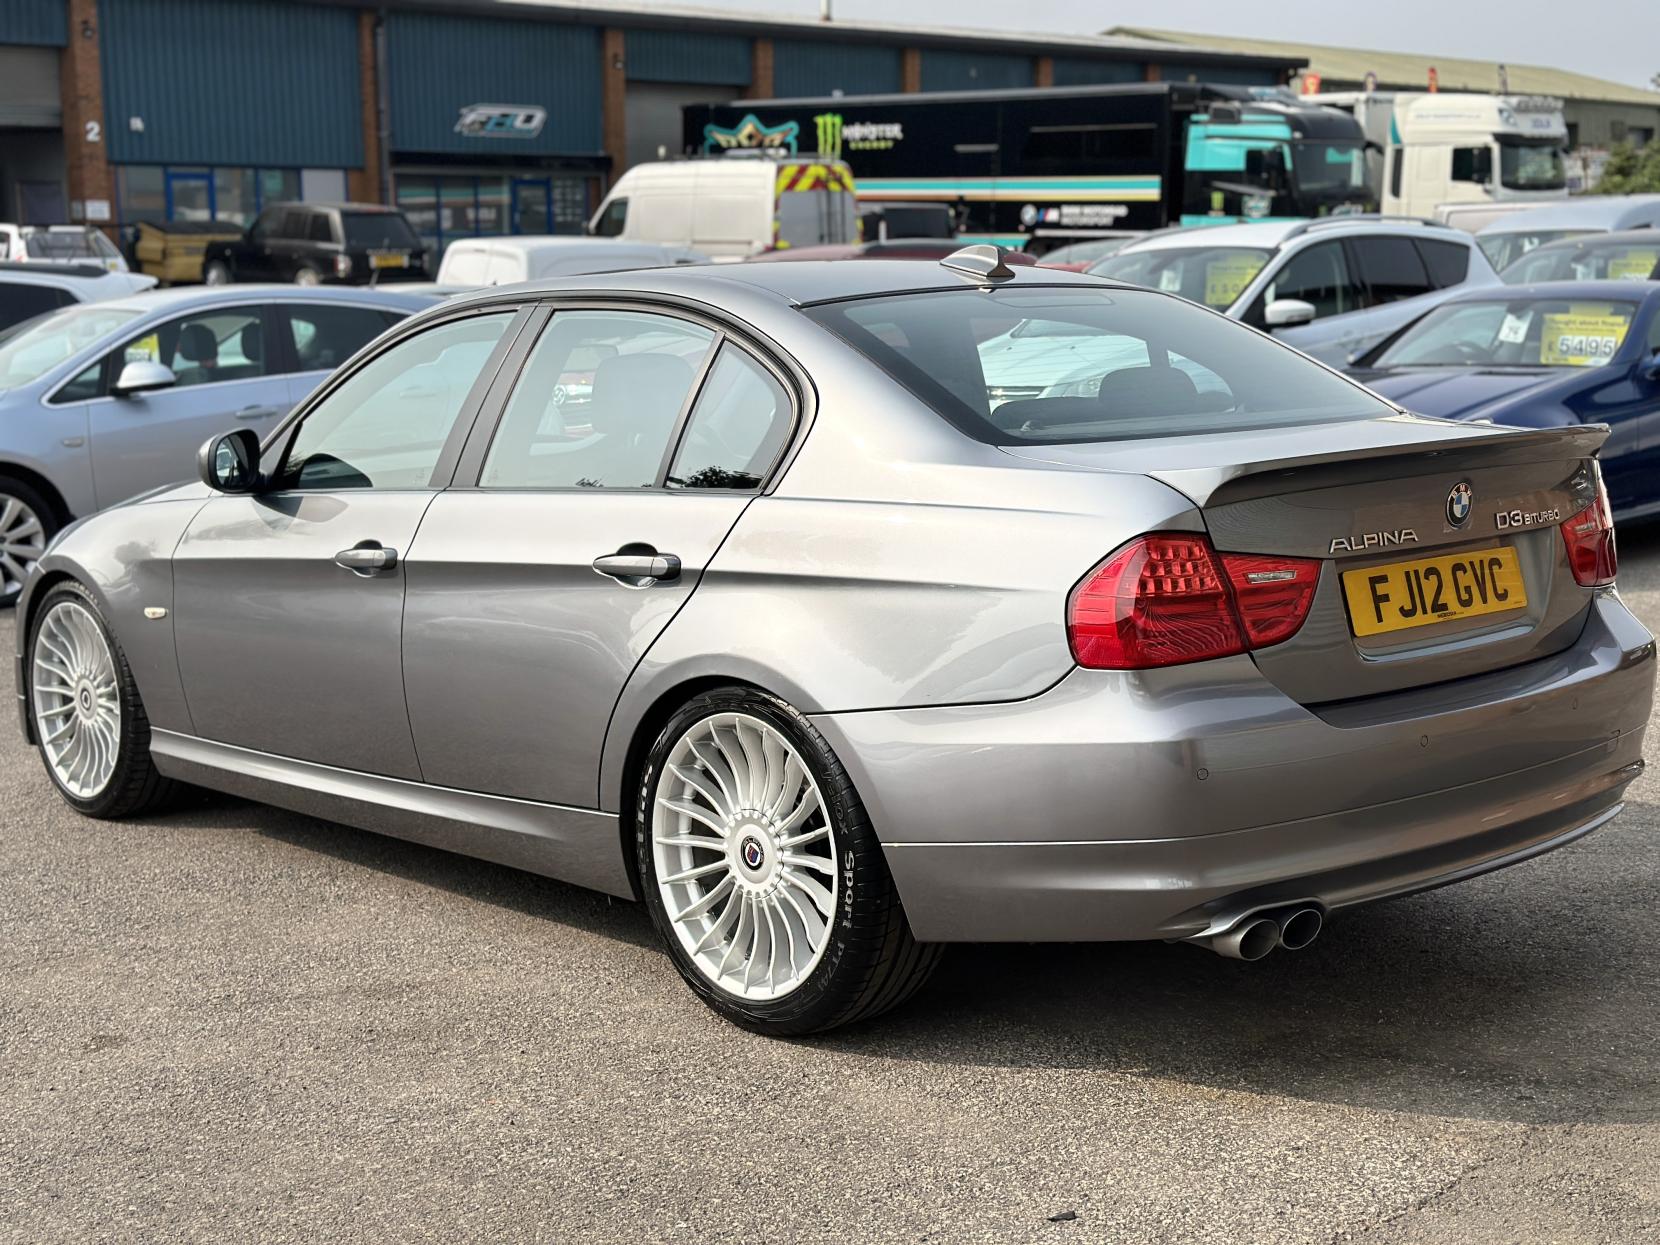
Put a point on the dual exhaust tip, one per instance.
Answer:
(1292, 928)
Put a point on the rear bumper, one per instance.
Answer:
(1169, 804)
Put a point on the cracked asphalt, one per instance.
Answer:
(230, 1023)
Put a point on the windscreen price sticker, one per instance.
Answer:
(1632, 265)
(1226, 279)
(1569, 339)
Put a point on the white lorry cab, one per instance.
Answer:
(1436, 148)
(732, 206)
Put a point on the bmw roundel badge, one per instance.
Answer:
(1459, 504)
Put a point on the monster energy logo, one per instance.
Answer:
(829, 133)
(834, 134)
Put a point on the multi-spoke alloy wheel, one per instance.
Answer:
(88, 719)
(76, 701)
(22, 541)
(746, 860)
(762, 871)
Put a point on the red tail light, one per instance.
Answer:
(1169, 598)
(1589, 536)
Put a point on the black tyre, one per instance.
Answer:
(89, 721)
(763, 873)
(27, 523)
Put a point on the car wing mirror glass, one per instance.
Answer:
(1285, 312)
(142, 376)
(229, 463)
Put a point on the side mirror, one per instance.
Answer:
(1649, 368)
(229, 463)
(143, 375)
(1283, 313)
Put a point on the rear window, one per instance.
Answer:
(1040, 366)
(68, 244)
(374, 231)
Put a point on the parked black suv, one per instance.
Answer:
(313, 243)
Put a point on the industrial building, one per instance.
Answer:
(1599, 113)
(474, 116)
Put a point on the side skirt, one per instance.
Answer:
(575, 845)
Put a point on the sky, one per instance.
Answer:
(1614, 39)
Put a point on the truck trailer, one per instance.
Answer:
(1038, 168)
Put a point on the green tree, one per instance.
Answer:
(1630, 170)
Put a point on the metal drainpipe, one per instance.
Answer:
(383, 125)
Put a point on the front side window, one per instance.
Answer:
(270, 220)
(1472, 164)
(741, 421)
(326, 336)
(1213, 275)
(1541, 332)
(203, 349)
(1318, 275)
(614, 220)
(597, 403)
(1099, 365)
(385, 426)
(33, 348)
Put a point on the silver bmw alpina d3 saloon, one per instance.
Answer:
(839, 611)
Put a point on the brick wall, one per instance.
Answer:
(363, 185)
(86, 164)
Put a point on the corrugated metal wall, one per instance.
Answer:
(231, 82)
(688, 56)
(1076, 71)
(438, 65)
(37, 22)
(944, 69)
(1229, 74)
(803, 67)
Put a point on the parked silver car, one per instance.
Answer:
(1333, 287)
(801, 637)
(102, 401)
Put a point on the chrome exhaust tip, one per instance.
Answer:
(1299, 927)
(1251, 939)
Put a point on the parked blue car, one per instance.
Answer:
(1561, 352)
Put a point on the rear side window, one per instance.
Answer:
(324, 337)
(739, 424)
(321, 228)
(598, 402)
(1448, 262)
(1053, 365)
(1390, 269)
(20, 301)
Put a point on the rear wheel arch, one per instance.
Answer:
(40, 484)
(644, 734)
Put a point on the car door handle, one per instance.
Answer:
(638, 570)
(258, 412)
(367, 558)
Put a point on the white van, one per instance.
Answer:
(732, 206)
(507, 260)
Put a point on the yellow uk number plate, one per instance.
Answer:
(389, 261)
(1433, 590)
